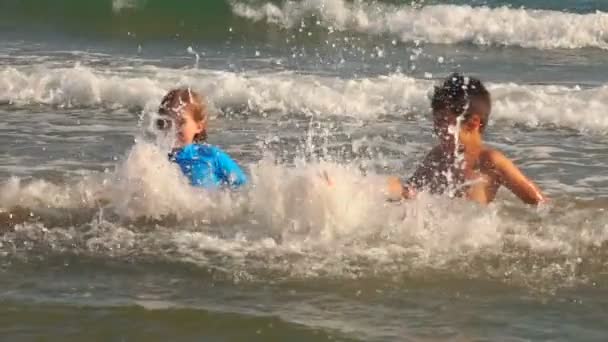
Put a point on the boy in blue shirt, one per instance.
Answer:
(205, 165)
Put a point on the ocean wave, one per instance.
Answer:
(543, 25)
(287, 92)
(440, 24)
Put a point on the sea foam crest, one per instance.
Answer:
(284, 93)
(442, 24)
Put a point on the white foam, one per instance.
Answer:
(35, 194)
(288, 92)
(77, 86)
(571, 107)
(322, 201)
(290, 209)
(145, 184)
(293, 221)
(443, 24)
(119, 5)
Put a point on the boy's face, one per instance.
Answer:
(185, 127)
(446, 127)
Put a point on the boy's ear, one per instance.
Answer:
(202, 125)
(474, 122)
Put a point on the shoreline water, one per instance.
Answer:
(100, 239)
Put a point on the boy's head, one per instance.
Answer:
(186, 109)
(460, 96)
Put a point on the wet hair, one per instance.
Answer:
(460, 95)
(178, 100)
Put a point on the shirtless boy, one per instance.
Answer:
(461, 165)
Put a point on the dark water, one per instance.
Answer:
(102, 239)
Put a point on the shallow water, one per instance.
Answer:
(102, 239)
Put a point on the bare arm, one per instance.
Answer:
(397, 191)
(515, 180)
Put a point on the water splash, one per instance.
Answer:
(294, 223)
(191, 51)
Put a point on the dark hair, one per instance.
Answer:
(460, 95)
(180, 99)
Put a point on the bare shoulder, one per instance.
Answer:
(492, 158)
(492, 154)
(493, 161)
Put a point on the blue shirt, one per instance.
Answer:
(208, 166)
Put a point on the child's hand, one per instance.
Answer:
(544, 202)
(397, 191)
(395, 188)
(327, 179)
